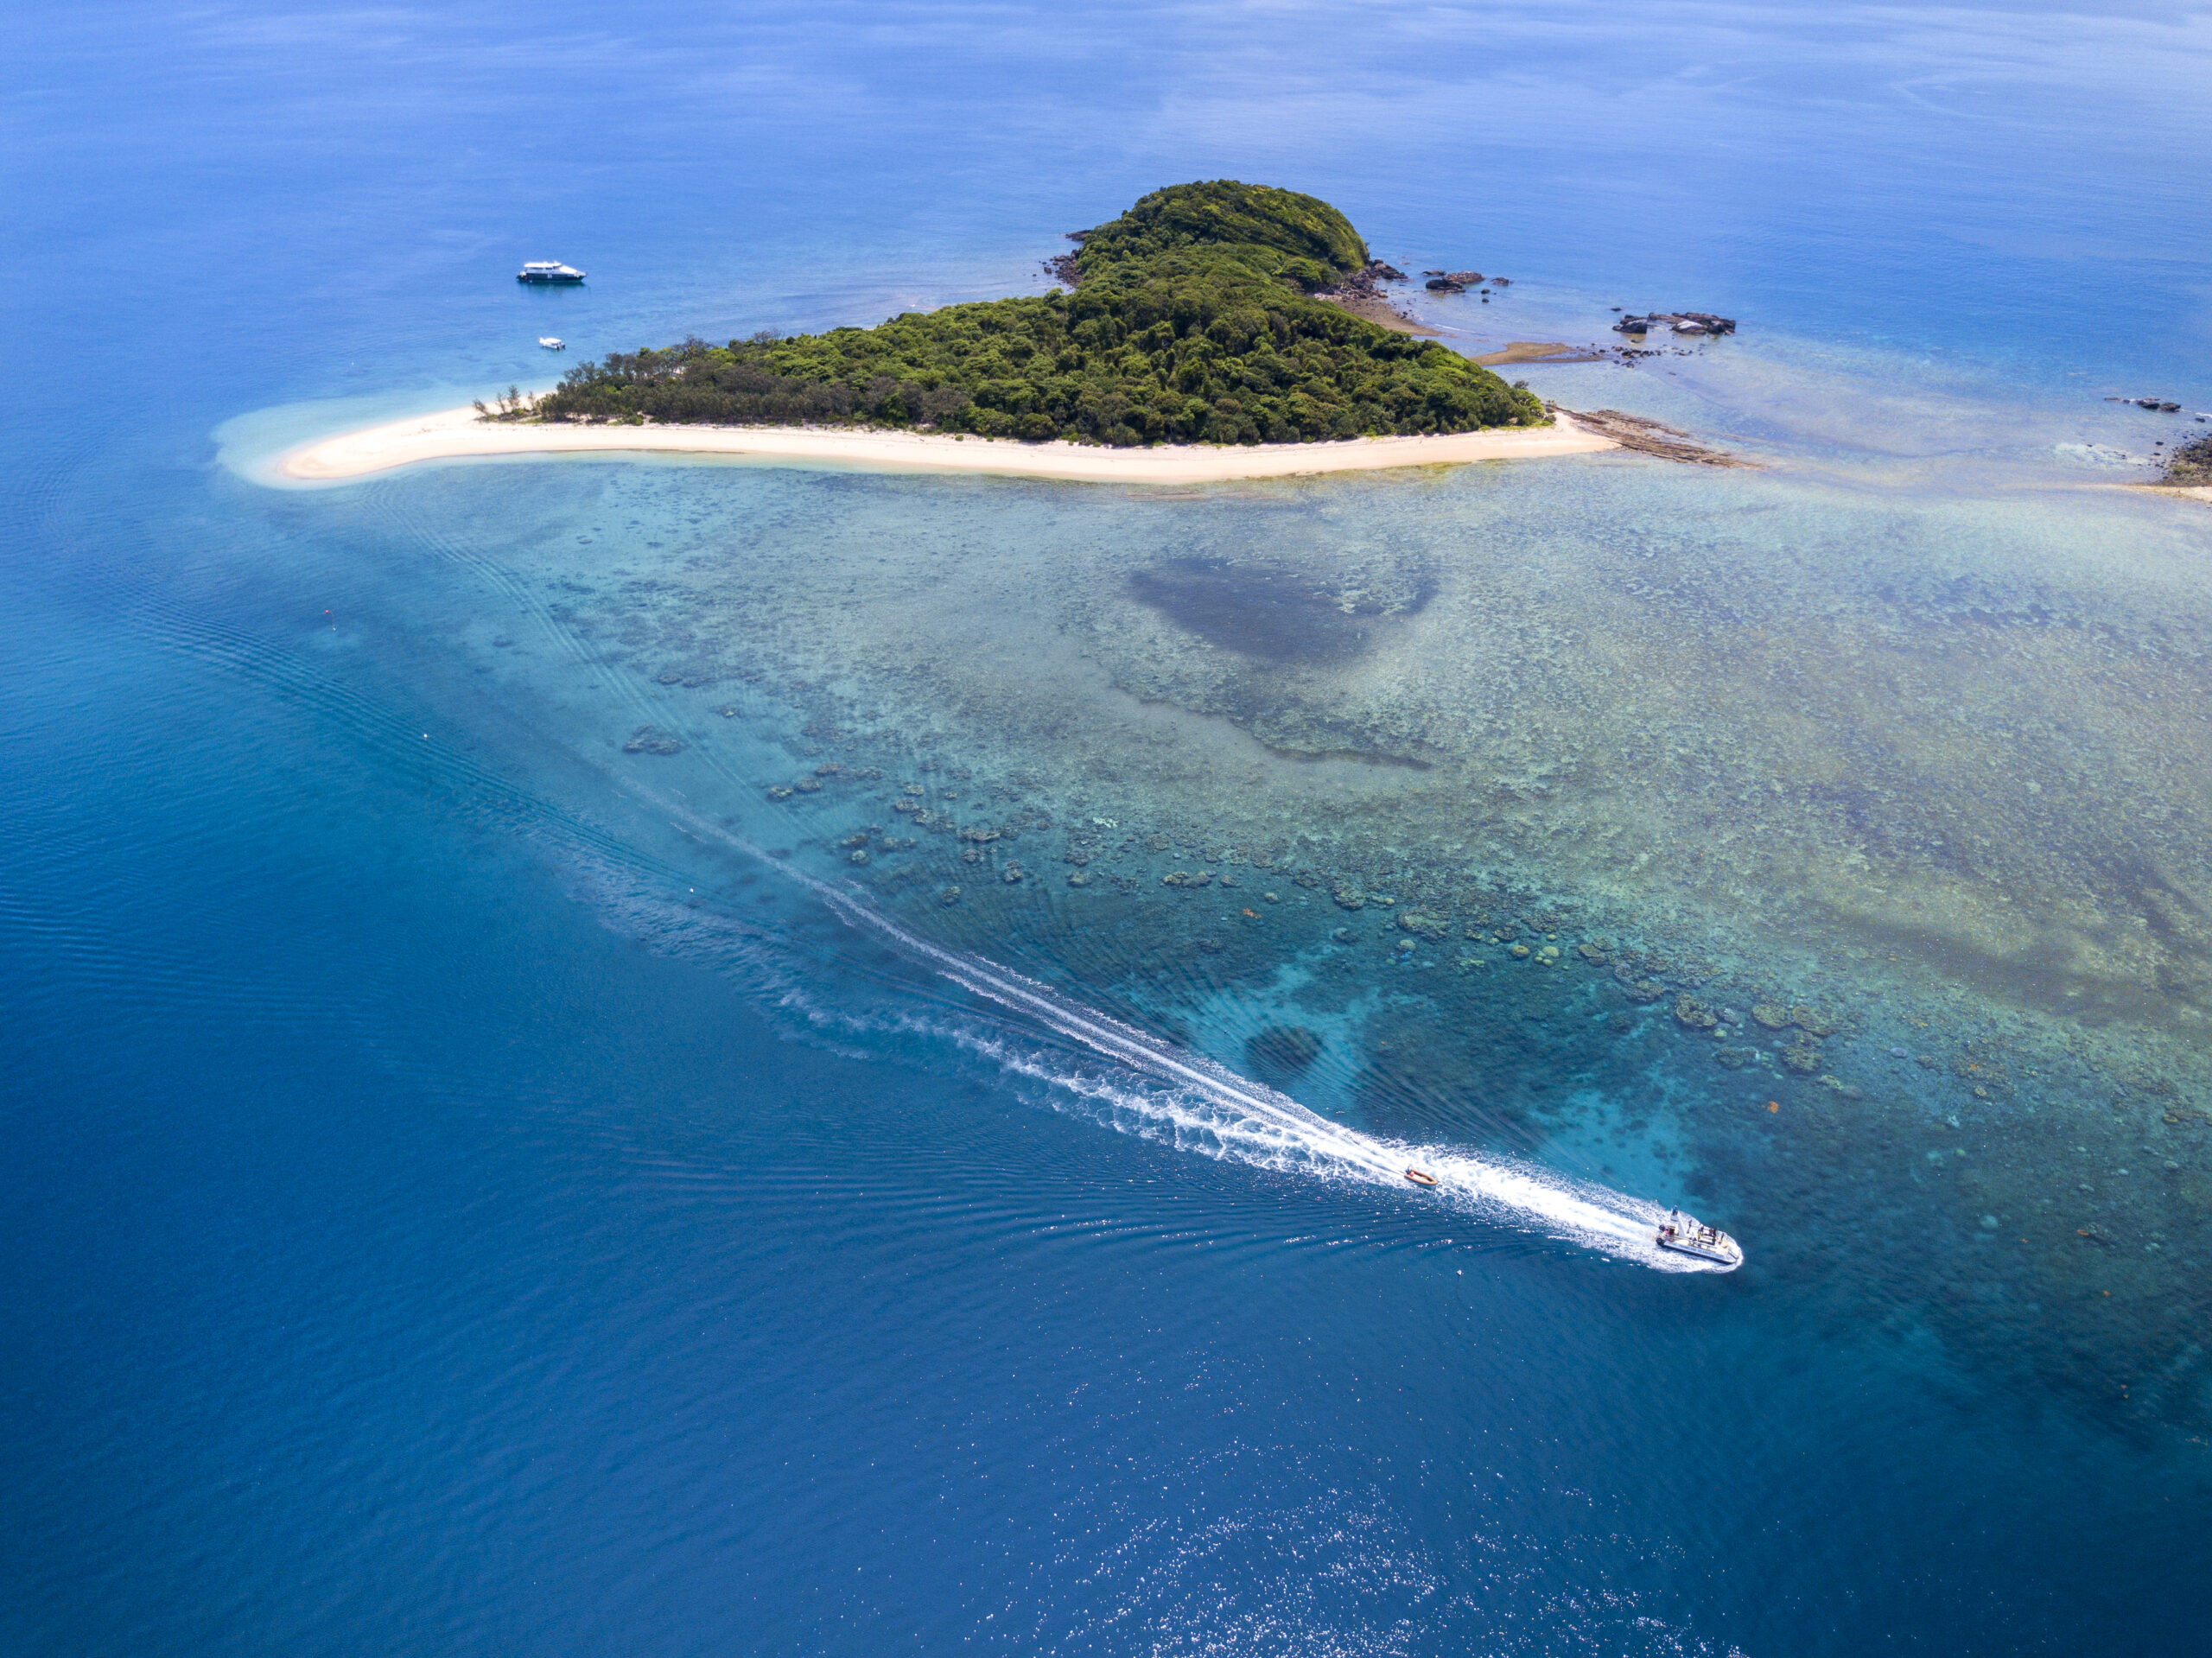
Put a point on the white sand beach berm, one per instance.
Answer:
(458, 434)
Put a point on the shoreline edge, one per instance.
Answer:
(459, 435)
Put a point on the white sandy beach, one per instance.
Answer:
(457, 434)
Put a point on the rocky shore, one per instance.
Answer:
(2189, 467)
(1654, 437)
(1362, 295)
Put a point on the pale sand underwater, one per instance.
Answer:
(458, 434)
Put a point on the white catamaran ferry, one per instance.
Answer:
(543, 272)
(1689, 1237)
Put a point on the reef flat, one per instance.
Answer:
(1843, 864)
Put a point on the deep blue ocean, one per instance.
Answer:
(461, 1195)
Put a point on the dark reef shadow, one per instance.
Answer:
(1262, 611)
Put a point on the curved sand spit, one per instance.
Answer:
(457, 434)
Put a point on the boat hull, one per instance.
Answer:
(1725, 1257)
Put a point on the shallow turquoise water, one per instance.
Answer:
(467, 1197)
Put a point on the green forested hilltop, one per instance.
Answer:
(1190, 321)
(1294, 238)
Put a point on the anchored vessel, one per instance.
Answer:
(543, 272)
(1690, 1236)
(552, 343)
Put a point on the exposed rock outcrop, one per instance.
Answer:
(2190, 467)
(1682, 322)
(1654, 437)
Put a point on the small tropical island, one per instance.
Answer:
(1201, 322)
(1192, 319)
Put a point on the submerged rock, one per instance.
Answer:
(1803, 1055)
(652, 739)
(1694, 1014)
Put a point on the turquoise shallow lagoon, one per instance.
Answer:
(480, 1181)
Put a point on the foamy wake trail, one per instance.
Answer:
(1207, 1108)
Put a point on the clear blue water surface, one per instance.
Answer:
(433, 1230)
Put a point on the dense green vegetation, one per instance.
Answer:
(1191, 321)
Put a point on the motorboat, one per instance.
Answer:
(551, 343)
(1422, 1178)
(547, 271)
(1688, 1235)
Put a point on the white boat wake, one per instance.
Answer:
(1207, 1108)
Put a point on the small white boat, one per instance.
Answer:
(1689, 1237)
(552, 344)
(542, 273)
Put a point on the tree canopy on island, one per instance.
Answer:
(1191, 321)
